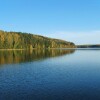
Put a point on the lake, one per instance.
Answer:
(50, 74)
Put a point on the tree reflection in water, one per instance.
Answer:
(19, 56)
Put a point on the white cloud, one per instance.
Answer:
(90, 37)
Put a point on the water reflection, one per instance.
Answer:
(8, 57)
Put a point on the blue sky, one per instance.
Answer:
(72, 20)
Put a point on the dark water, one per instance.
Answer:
(50, 75)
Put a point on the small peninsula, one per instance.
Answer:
(19, 40)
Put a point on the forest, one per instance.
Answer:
(19, 40)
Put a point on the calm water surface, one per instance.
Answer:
(50, 75)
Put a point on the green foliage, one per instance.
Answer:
(18, 40)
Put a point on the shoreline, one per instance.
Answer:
(50, 48)
(33, 49)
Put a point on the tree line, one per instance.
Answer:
(19, 40)
(89, 46)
